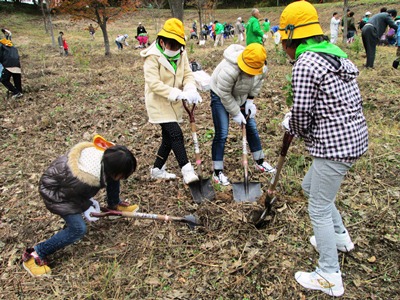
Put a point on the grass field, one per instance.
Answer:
(69, 99)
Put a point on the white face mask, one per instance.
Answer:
(171, 53)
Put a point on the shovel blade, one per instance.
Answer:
(202, 190)
(240, 194)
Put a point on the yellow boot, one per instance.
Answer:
(124, 206)
(35, 266)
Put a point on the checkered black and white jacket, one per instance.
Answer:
(327, 107)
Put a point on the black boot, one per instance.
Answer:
(395, 64)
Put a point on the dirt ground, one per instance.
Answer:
(69, 99)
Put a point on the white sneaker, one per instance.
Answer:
(157, 173)
(188, 174)
(265, 167)
(221, 179)
(329, 283)
(343, 242)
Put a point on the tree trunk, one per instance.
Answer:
(44, 16)
(176, 8)
(345, 29)
(53, 40)
(103, 26)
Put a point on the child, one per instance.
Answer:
(327, 115)
(67, 188)
(168, 81)
(9, 58)
(65, 46)
(234, 84)
(121, 40)
(92, 31)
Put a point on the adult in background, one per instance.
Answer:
(9, 58)
(327, 114)
(254, 34)
(235, 82)
(239, 30)
(373, 30)
(335, 21)
(219, 34)
(351, 27)
(140, 29)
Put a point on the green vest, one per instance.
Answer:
(254, 34)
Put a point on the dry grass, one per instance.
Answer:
(69, 99)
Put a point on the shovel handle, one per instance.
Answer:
(190, 111)
(106, 212)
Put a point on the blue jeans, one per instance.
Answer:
(74, 230)
(321, 184)
(221, 126)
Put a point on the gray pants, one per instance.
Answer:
(321, 185)
(370, 40)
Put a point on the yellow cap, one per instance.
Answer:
(173, 29)
(252, 59)
(299, 20)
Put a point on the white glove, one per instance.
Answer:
(265, 36)
(250, 108)
(183, 96)
(88, 216)
(239, 118)
(285, 123)
(95, 204)
(193, 97)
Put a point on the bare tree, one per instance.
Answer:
(46, 7)
(345, 29)
(154, 7)
(176, 8)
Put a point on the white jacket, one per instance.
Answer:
(163, 85)
(231, 84)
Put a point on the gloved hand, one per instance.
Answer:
(250, 108)
(193, 97)
(183, 96)
(265, 36)
(95, 204)
(285, 123)
(239, 118)
(88, 216)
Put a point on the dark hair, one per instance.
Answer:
(334, 14)
(351, 14)
(118, 160)
(61, 32)
(174, 43)
(296, 42)
(392, 12)
(266, 19)
(383, 9)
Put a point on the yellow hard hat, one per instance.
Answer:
(173, 29)
(299, 20)
(252, 59)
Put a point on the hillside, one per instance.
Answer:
(69, 99)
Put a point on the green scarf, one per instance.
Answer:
(172, 60)
(324, 47)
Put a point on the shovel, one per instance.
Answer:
(201, 190)
(270, 198)
(246, 191)
(190, 220)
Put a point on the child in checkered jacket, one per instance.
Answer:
(327, 114)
